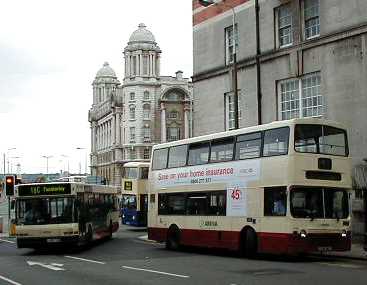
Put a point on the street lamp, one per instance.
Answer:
(7, 155)
(11, 164)
(80, 162)
(66, 156)
(207, 3)
(47, 158)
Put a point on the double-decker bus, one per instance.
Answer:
(282, 187)
(64, 212)
(134, 199)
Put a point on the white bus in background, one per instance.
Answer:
(134, 199)
(281, 187)
(64, 212)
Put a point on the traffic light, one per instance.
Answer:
(9, 185)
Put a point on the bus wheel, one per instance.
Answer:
(173, 238)
(248, 243)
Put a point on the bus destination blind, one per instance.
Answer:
(35, 190)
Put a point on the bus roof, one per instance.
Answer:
(272, 125)
(136, 164)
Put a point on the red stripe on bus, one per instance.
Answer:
(214, 10)
(279, 243)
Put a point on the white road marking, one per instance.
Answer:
(9, 281)
(84, 259)
(154, 271)
(344, 265)
(5, 240)
(48, 266)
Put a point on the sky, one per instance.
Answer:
(50, 52)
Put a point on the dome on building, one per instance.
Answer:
(106, 71)
(142, 35)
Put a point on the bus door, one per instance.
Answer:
(143, 209)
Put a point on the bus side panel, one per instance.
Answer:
(211, 238)
(292, 244)
(157, 234)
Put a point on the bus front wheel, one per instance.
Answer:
(173, 238)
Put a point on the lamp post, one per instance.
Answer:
(7, 155)
(80, 162)
(66, 156)
(207, 3)
(47, 157)
(11, 164)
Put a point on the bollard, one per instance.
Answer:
(1, 224)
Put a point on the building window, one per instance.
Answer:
(229, 110)
(229, 43)
(132, 96)
(146, 134)
(132, 154)
(173, 115)
(146, 153)
(312, 18)
(301, 98)
(132, 112)
(173, 134)
(285, 31)
(146, 112)
(132, 134)
(146, 95)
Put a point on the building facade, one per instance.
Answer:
(301, 58)
(128, 119)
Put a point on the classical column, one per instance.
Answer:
(141, 64)
(97, 130)
(118, 124)
(153, 66)
(113, 129)
(186, 120)
(158, 65)
(163, 123)
(127, 72)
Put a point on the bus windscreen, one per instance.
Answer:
(320, 139)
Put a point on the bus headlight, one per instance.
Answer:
(303, 234)
(344, 233)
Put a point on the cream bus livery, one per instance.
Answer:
(281, 187)
(65, 212)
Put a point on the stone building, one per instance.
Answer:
(128, 119)
(310, 60)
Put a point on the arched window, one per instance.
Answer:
(146, 112)
(132, 112)
(146, 95)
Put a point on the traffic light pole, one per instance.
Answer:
(9, 219)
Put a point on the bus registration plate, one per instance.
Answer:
(324, 248)
(53, 240)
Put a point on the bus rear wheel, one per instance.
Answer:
(173, 238)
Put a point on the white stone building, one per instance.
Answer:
(128, 119)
